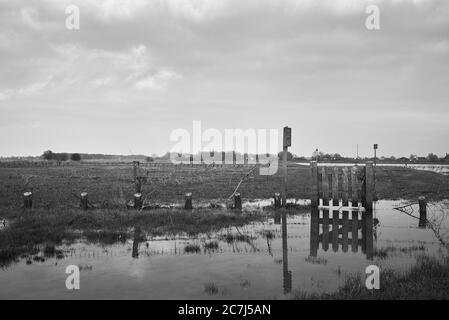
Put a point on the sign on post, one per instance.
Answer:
(287, 137)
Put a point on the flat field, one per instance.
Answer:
(110, 186)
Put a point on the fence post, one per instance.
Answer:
(277, 200)
(138, 184)
(137, 201)
(188, 203)
(287, 142)
(368, 198)
(135, 165)
(422, 212)
(237, 201)
(314, 216)
(83, 200)
(28, 200)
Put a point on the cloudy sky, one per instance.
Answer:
(136, 70)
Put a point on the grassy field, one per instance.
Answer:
(111, 186)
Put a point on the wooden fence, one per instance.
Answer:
(342, 205)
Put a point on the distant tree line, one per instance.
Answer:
(317, 155)
(62, 156)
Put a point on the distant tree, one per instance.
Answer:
(289, 155)
(432, 157)
(393, 158)
(337, 156)
(413, 157)
(48, 155)
(75, 157)
(149, 159)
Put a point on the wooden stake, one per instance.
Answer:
(315, 213)
(83, 201)
(237, 201)
(137, 201)
(188, 203)
(422, 212)
(135, 165)
(277, 200)
(287, 141)
(28, 200)
(138, 185)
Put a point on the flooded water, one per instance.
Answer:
(263, 260)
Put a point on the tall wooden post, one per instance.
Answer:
(287, 142)
(422, 212)
(138, 182)
(314, 215)
(137, 201)
(135, 165)
(277, 200)
(237, 201)
(374, 171)
(83, 201)
(28, 200)
(367, 200)
(188, 201)
(287, 274)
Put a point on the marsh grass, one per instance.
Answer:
(235, 237)
(428, 279)
(211, 245)
(384, 252)
(29, 230)
(245, 284)
(269, 234)
(211, 288)
(316, 260)
(411, 249)
(192, 248)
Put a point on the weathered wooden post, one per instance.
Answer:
(277, 217)
(368, 198)
(138, 182)
(137, 201)
(287, 142)
(188, 203)
(422, 212)
(83, 201)
(237, 201)
(135, 165)
(28, 200)
(315, 213)
(277, 200)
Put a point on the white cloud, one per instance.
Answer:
(158, 81)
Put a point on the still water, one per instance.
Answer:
(263, 260)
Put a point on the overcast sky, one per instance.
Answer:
(136, 70)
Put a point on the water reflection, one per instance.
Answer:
(287, 274)
(136, 241)
(335, 231)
